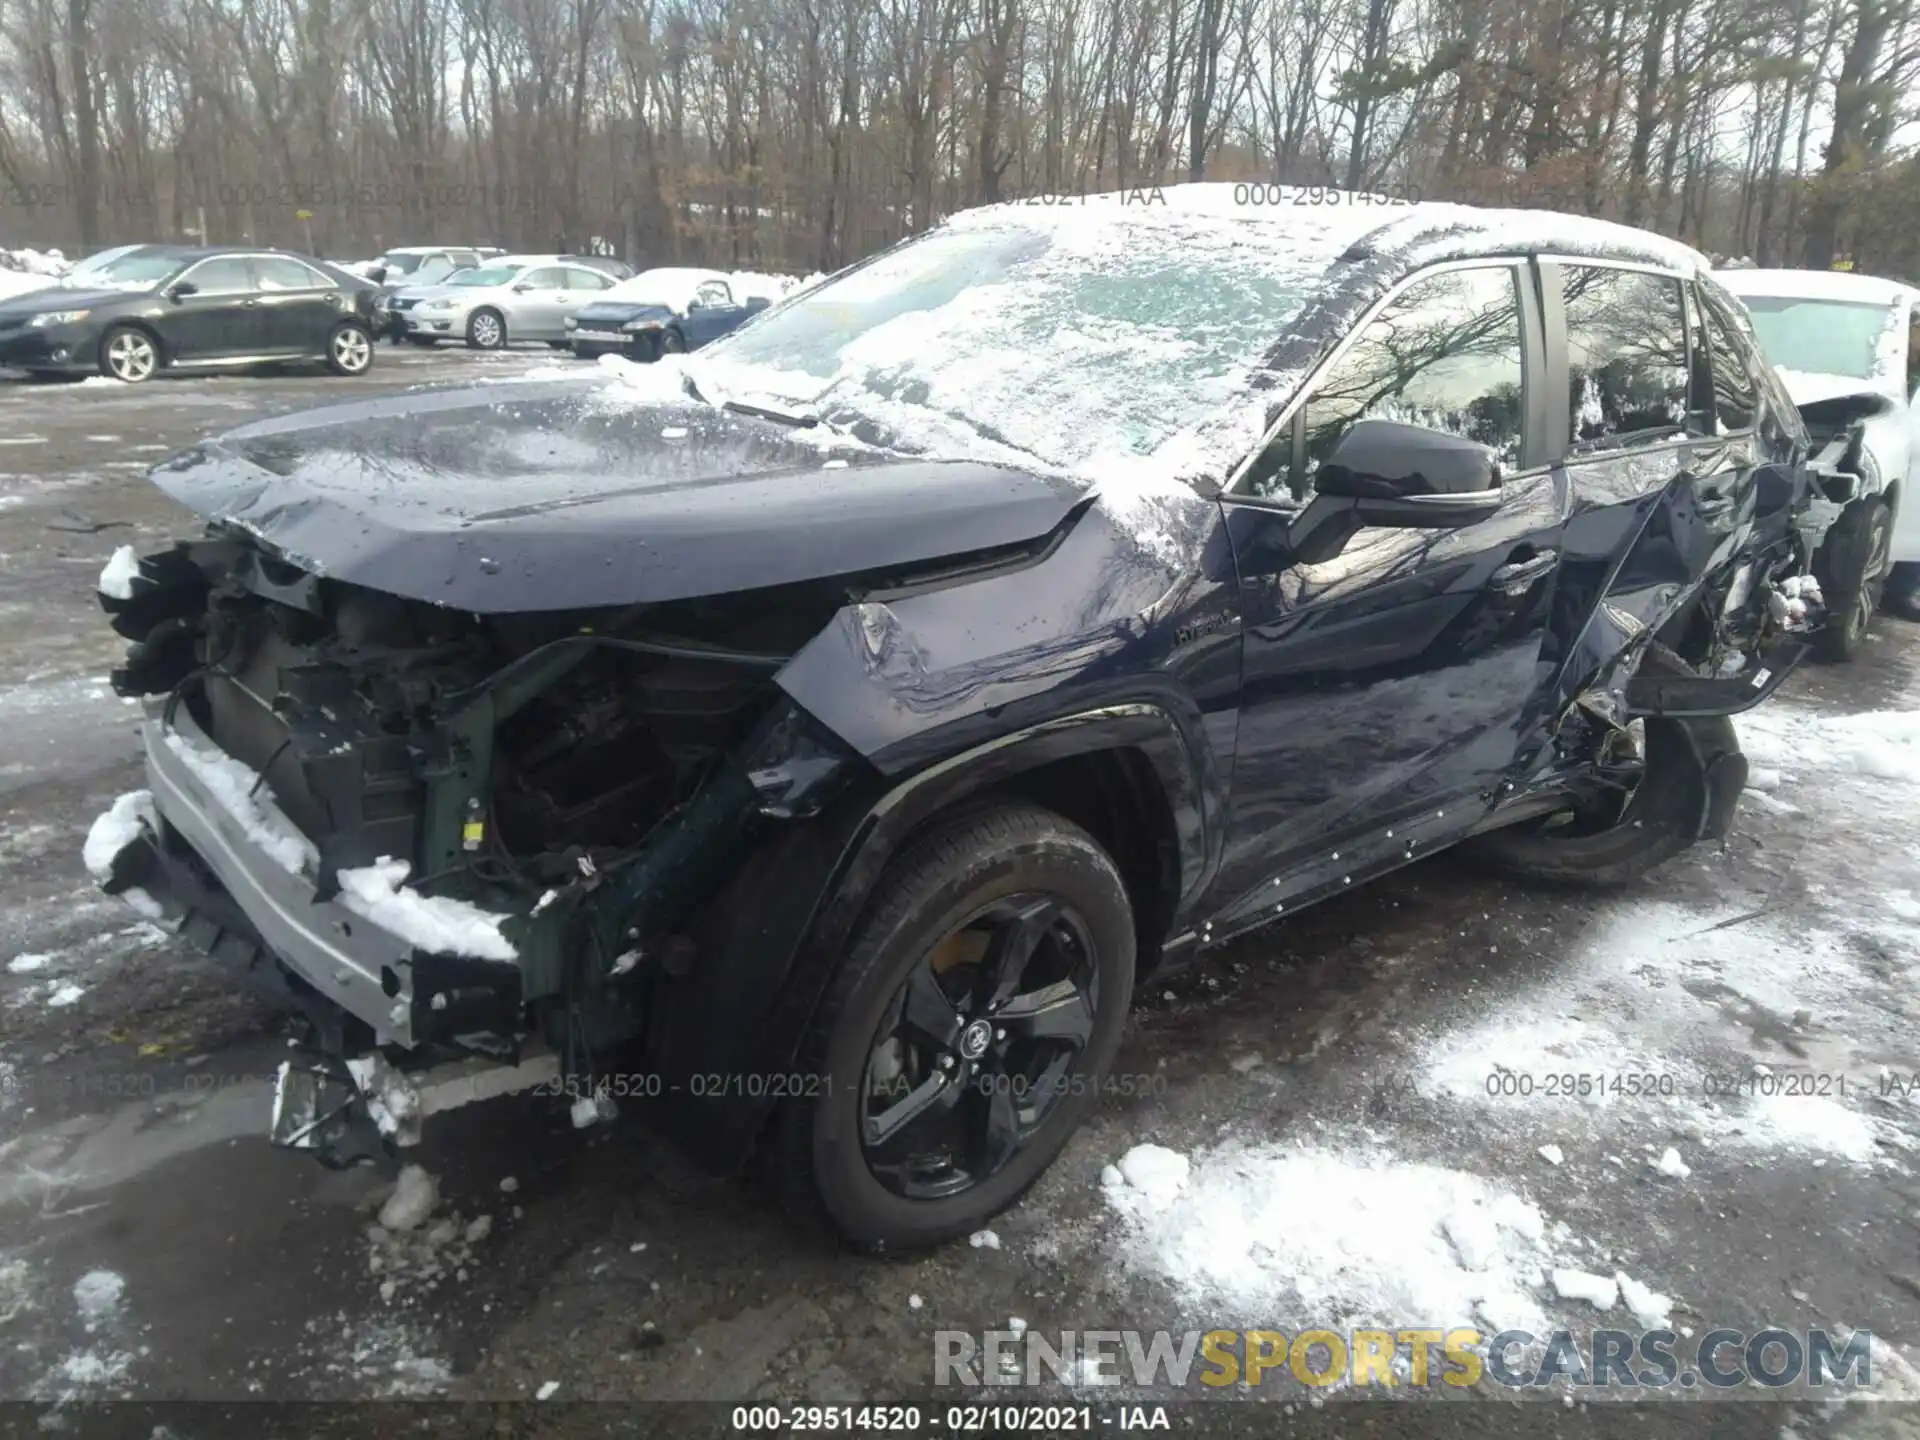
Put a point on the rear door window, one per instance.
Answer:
(277, 272)
(1626, 356)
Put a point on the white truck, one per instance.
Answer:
(1845, 347)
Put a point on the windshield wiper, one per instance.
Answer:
(765, 412)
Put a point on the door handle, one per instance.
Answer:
(1518, 574)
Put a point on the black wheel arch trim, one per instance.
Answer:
(789, 958)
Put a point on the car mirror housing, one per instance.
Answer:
(1389, 460)
(1387, 474)
(522, 288)
(180, 289)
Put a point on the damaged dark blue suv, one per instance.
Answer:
(822, 736)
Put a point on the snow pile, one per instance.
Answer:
(411, 1253)
(236, 789)
(1277, 1233)
(22, 271)
(98, 1294)
(118, 826)
(119, 573)
(438, 924)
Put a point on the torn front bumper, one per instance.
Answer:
(238, 902)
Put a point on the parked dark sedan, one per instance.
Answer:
(172, 307)
(661, 312)
(824, 736)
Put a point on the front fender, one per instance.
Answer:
(768, 957)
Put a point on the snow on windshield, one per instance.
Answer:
(1082, 334)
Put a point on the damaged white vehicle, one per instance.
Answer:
(1844, 347)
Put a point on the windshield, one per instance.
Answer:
(1073, 335)
(490, 275)
(93, 266)
(136, 267)
(1827, 337)
(401, 264)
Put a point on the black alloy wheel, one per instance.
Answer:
(976, 1048)
(966, 1033)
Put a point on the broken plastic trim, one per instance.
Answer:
(1680, 696)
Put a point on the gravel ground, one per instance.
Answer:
(1338, 1099)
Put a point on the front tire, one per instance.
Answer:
(672, 342)
(128, 354)
(486, 330)
(1658, 821)
(965, 1035)
(350, 349)
(1852, 565)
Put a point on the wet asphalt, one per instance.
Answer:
(132, 1111)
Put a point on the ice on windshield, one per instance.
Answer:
(1080, 335)
(1825, 337)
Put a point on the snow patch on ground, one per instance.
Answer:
(1345, 1236)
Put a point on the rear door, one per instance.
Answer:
(298, 305)
(1661, 490)
(584, 286)
(1392, 680)
(539, 300)
(221, 319)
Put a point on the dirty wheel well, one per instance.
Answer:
(1115, 796)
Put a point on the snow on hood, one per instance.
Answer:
(1807, 387)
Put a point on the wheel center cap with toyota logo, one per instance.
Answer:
(975, 1039)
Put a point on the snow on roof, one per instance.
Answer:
(1815, 285)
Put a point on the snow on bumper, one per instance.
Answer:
(357, 950)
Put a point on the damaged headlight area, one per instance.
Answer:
(450, 839)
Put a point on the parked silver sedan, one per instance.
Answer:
(517, 297)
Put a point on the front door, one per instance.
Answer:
(1394, 678)
(220, 319)
(713, 313)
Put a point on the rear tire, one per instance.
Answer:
(951, 886)
(350, 349)
(1658, 823)
(1901, 596)
(1852, 565)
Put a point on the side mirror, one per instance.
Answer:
(1388, 460)
(522, 288)
(378, 274)
(180, 289)
(696, 304)
(1387, 474)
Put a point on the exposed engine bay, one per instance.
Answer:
(579, 779)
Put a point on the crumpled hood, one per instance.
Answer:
(620, 312)
(533, 495)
